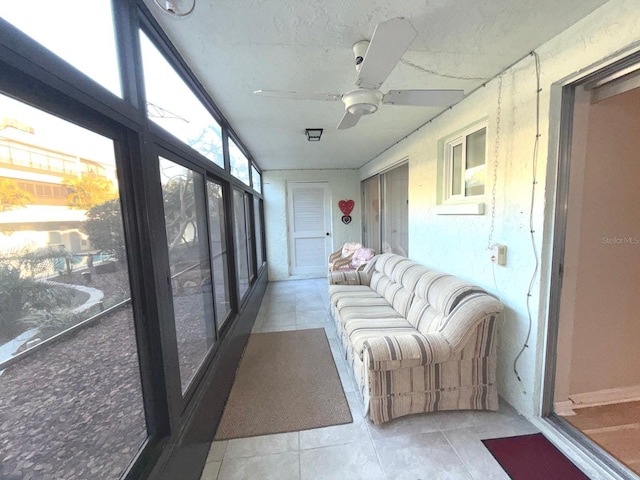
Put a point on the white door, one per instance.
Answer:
(309, 212)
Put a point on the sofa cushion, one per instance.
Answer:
(423, 316)
(380, 282)
(412, 275)
(392, 352)
(395, 271)
(436, 296)
(394, 278)
(349, 277)
(367, 308)
(385, 262)
(383, 269)
(400, 294)
(426, 281)
(448, 291)
(337, 292)
(361, 329)
(398, 297)
(340, 287)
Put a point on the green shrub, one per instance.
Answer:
(24, 296)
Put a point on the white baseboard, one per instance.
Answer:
(603, 397)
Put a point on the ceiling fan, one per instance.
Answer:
(374, 62)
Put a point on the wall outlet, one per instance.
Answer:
(499, 254)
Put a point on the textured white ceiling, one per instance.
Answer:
(237, 46)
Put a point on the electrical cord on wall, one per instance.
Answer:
(443, 75)
(496, 152)
(531, 230)
(494, 189)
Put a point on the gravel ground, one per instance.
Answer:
(115, 285)
(191, 334)
(73, 410)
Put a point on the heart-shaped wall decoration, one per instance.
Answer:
(346, 206)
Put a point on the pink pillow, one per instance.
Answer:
(361, 256)
(350, 247)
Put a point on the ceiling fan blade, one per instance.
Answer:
(329, 97)
(389, 42)
(348, 120)
(423, 98)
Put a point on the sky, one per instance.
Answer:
(79, 31)
(82, 33)
(54, 133)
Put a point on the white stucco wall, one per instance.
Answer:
(458, 244)
(344, 185)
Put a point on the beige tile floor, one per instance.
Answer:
(432, 446)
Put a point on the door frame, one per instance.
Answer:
(328, 223)
(566, 89)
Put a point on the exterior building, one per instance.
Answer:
(47, 220)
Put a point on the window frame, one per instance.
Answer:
(21, 86)
(245, 241)
(256, 178)
(221, 323)
(34, 75)
(159, 130)
(235, 148)
(461, 139)
(172, 338)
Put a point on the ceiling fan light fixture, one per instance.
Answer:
(362, 101)
(362, 109)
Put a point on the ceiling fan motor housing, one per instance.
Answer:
(362, 101)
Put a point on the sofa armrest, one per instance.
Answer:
(340, 263)
(392, 352)
(335, 255)
(349, 277)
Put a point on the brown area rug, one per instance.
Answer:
(287, 381)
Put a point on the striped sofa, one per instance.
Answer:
(417, 340)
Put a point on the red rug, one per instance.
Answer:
(532, 457)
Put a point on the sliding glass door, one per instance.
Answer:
(219, 254)
(243, 235)
(395, 211)
(191, 286)
(592, 378)
(385, 226)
